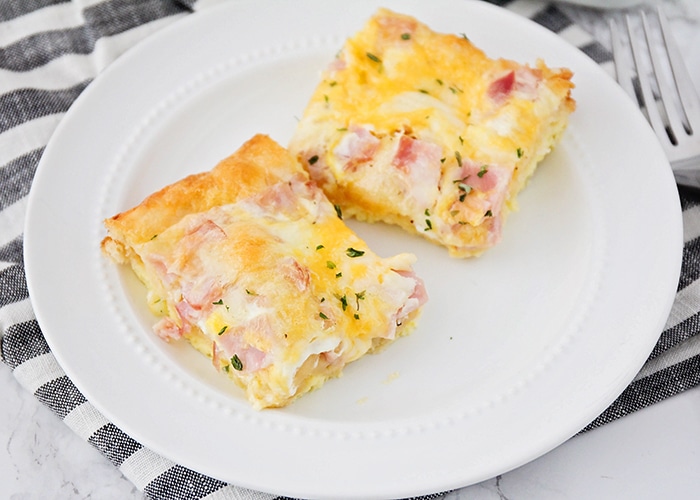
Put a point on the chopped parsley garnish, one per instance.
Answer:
(428, 224)
(330, 264)
(338, 275)
(319, 247)
(343, 302)
(458, 155)
(461, 141)
(455, 89)
(464, 36)
(440, 82)
(352, 252)
(488, 213)
(313, 159)
(322, 316)
(373, 57)
(482, 171)
(219, 302)
(154, 236)
(250, 292)
(236, 363)
(338, 212)
(221, 332)
(520, 152)
(423, 91)
(405, 36)
(464, 188)
(358, 297)
(427, 212)
(356, 316)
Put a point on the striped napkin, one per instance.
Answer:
(50, 50)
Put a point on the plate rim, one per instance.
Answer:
(33, 282)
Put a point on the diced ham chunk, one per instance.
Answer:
(296, 273)
(419, 161)
(357, 146)
(522, 80)
(167, 329)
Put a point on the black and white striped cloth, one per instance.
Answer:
(50, 50)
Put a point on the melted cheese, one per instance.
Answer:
(397, 79)
(272, 284)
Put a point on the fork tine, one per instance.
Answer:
(675, 123)
(647, 95)
(689, 98)
(624, 76)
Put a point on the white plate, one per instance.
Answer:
(515, 352)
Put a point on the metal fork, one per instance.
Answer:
(657, 79)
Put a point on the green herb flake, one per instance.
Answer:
(325, 98)
(405, 36)
(458, 156)
(423, 91)
(358, 297)
(343, 302)
(464, 36)
(374, 58)
(338, 275)
(356, 316)
(319, 247)
(236, 363)
(333, 83)
(440, 82)
(482, 171)
(465, 189)
(322, 316)
(330, 264)
(488, 213)
(221, 332)
(520, 152)
(338, 211)
(352, 252)
(427, 212)
(461, 141)
(250, 292)
(313, 159)
(428, 224)
(219, 302)
(154, 237)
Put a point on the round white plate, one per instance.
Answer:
(515, 352)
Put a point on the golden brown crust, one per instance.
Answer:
(258, 163)
(251, 264)
(422, 129)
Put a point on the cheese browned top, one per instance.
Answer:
(253, 265)
(423, 129)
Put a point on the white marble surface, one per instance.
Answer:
(654, 453)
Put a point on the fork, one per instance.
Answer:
(655, 77)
